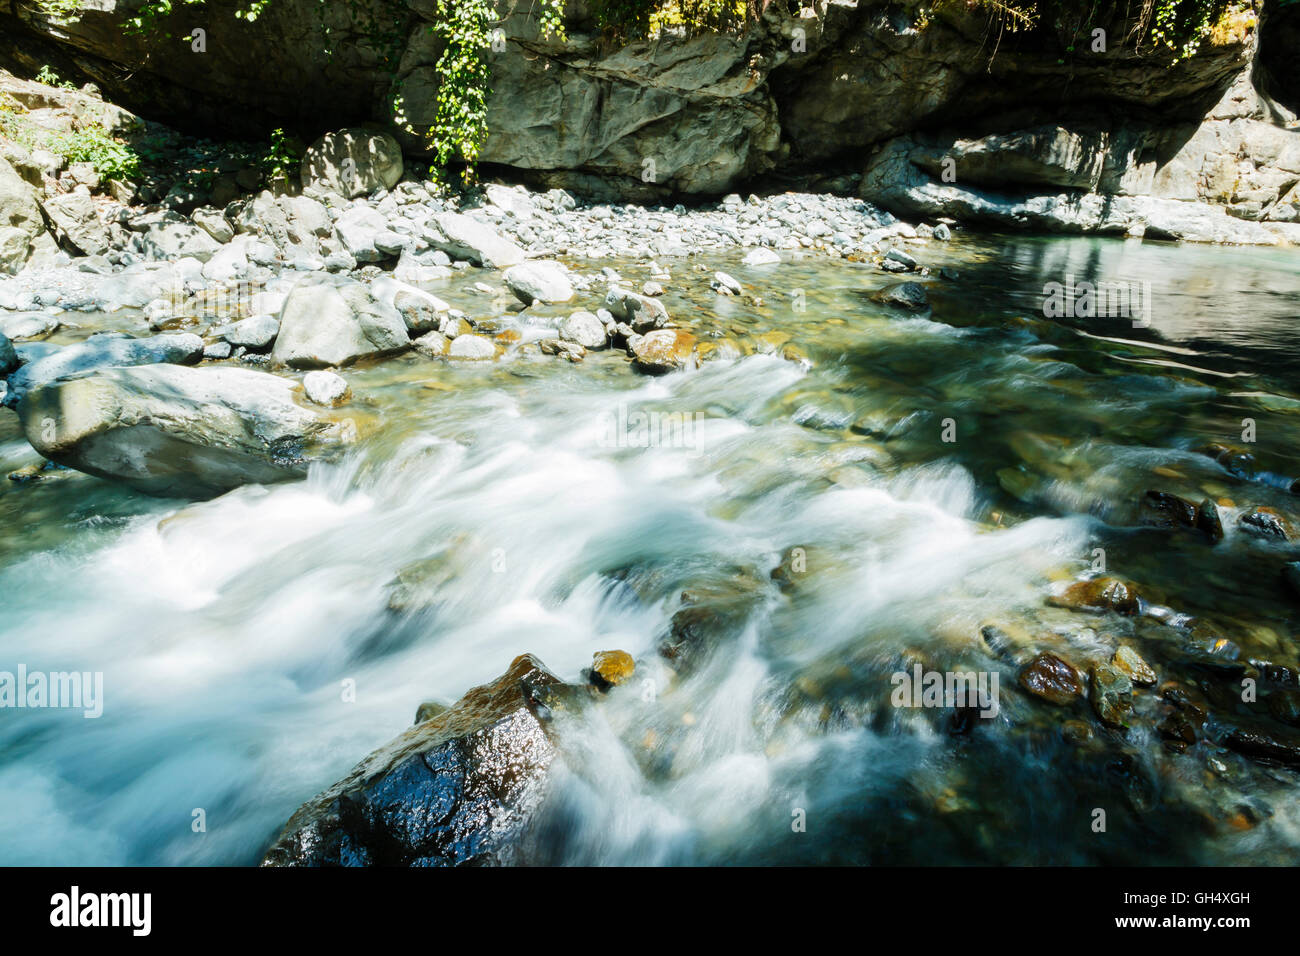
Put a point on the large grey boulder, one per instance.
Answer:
(352, 162)
(179, 432)
(76, 219)
(459, 788)
(539, 281)
(102, 351)
(465, 238)
(168, 235)
(329, 320)
(20, 218)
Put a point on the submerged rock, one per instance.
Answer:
(905, 295)
(1052, 679)
(457, 788)
(1265, 523)
(172, 431)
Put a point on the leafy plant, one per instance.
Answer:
(281, 158)
(50, 78)
(112, 159)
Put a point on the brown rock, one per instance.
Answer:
(1052, 679)
(609, 668)
(1099, 595)
(1131, 664)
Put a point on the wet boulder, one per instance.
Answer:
(1099, 595)
(458, 788)
(1131, 664)
(1265, 744)
(1111, 692)
(664, 350)
(1265, 523)
(1052, 679)
(1160, 509)
(179, 432)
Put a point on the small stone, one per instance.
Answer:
(1112, 695)
(1131, 664)
(610, 668)
(585, 329)
(663, 350)
(472, 347)
(1208, 520)
(326, 388)
(1052, 679)
(761, 257)
(906, 295)
(433, 344)
(725, 284)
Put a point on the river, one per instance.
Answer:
(927, 474)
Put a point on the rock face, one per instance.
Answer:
(352, 162)
(178, 432)
(330, 320)
(1039, 134)
(456, 789)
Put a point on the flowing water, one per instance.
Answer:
(524, 508)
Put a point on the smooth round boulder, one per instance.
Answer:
(326, 388)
